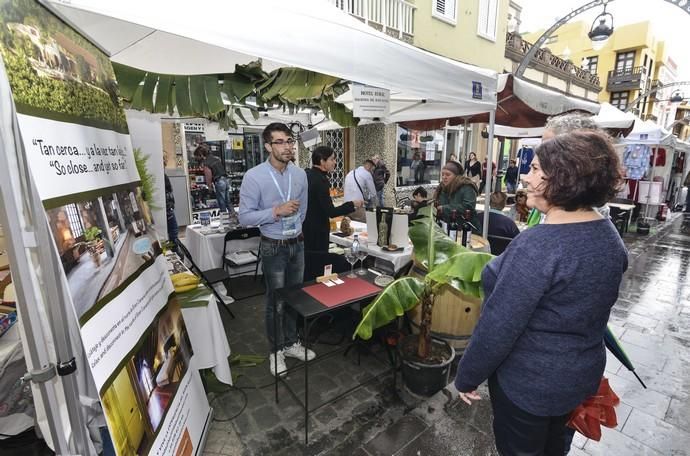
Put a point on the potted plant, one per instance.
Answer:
(92, 237)
(426, 361)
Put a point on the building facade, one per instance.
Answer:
(630, 63)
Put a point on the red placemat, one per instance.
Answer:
(352, 289)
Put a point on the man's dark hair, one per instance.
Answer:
(421, 191)
(582, 170)
(275, 126)
(369, 161)
(201, 151)
(321, 153)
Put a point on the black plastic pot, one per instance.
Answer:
(642, 228)
(427, 379)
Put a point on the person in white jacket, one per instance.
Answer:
(359, 185)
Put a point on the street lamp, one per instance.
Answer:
(677, 97)
(602, 32)
(598, 34)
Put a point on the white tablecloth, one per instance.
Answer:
(398, 259)
(206, 249)
(207, 335)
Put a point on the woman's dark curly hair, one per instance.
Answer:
(582, 170)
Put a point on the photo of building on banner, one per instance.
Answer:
(80, 156)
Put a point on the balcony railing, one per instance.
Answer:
(395, 16)
(545, 61)
(634, 78)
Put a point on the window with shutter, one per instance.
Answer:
(487, 19)
(444, 10)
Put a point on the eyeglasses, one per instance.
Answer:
(280, 142)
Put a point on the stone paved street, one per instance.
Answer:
(651, 319)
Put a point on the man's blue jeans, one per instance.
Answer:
(221, 185)
(379, 198)
(283, 265)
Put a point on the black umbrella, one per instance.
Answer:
(615, 347)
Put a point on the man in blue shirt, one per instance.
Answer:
(273, 196)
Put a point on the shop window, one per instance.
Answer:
(445, 10)
(620, 99)
(74, 219)
(419, 156)
(488, 14)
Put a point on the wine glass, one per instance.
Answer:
(361, 256)
(351, 258)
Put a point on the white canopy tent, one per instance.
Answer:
(611, 117)
(169, 36)
(647, 132)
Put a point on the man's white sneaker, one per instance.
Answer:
(296, 350)
(279, 359)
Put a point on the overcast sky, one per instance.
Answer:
(669, 21)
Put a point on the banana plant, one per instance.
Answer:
(447, 263)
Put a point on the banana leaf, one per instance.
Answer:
(396, 299)
(147, 92)
(213, 96)
(163, 94)
(128, 79)
(443, 246)
(462, 271)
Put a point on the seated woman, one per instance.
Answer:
(316, 225)
(456, 193)
(519, 212)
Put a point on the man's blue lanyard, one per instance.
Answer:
(280, 190)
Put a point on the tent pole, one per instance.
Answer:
(444, 156)
(489, 173)
(465, 144)
(29, 247)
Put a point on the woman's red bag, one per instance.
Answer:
(595, 411)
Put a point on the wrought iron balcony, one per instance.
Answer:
(634, 78)
(394, 17)
(546, 62)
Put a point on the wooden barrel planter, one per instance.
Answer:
(455, 314)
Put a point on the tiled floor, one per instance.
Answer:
(651, 319)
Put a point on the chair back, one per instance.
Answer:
(498, 244)
(183, 252)
(239, 234)
(195, 269)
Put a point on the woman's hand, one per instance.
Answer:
(470, 396)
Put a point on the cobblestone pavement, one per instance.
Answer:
(651, 319)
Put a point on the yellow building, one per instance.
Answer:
(630, 62)
(471, 31)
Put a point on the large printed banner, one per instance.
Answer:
(80, 155)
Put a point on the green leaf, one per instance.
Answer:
(423, 232)
(397, 298)
(163, 94)
(197, 94)
(462, 271)
(184, 105)
(213, 97)
(128, 79)
(147, 92)
(239, 114)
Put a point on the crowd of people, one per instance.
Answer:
(540, 347)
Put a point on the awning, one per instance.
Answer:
(647, 132)
(210, 37)
(615, 121)
(521, 104)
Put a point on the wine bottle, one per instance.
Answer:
(453, 226)
(466, 229)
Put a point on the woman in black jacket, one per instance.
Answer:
(320, 209)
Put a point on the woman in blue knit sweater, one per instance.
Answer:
(542, 348)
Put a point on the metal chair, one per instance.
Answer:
(241, 234)
(209, 277)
